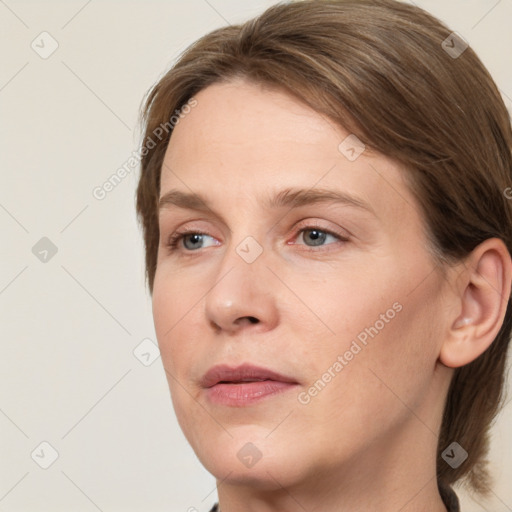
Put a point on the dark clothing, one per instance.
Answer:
(447, 494)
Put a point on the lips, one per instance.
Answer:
(243, 385)
(244, 373)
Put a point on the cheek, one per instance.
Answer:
(372, 396)
(173, 315)
(394, 370)
(327, 313)
(381, 342)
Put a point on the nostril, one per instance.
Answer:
(253, 320)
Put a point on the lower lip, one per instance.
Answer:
(246, 393)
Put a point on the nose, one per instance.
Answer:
(243, 295)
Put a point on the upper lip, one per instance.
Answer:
(244, 372)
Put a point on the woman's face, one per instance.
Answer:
(308, 261)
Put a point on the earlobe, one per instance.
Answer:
(483, 298)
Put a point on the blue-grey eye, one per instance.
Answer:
(196, 240)
(316, 236)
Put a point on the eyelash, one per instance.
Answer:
(175, 238)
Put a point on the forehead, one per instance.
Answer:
(241, 139)
(245, 115)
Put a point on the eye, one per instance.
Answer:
(194, 238)
(316, 236)
(312, 236)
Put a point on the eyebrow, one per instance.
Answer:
(289, 197)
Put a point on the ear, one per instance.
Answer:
(483, 294)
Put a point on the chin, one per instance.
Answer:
(252, 457)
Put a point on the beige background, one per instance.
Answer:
(70, 325)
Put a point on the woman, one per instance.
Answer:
(328, 245)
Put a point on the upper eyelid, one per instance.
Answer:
(306, 221)
(302, 225)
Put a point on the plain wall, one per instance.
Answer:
(70, 323)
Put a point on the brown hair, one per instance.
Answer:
(380, 69)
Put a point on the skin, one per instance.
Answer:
(367, 440)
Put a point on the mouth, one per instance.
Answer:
(243, 385)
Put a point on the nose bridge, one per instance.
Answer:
(242, 289)
(246, 243)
